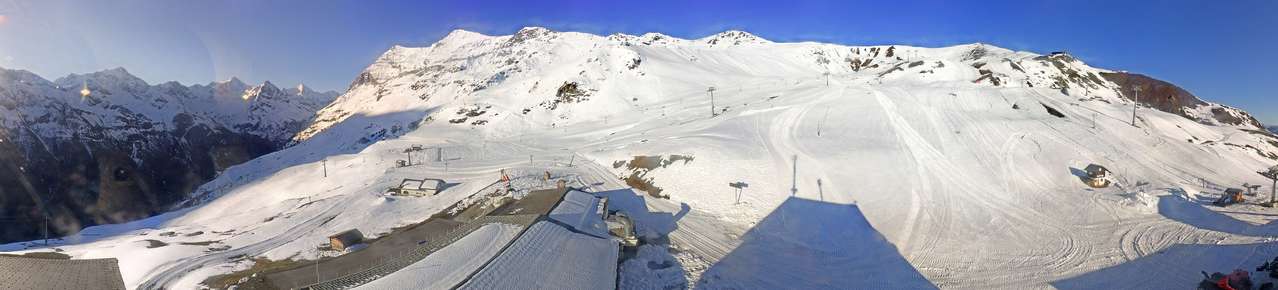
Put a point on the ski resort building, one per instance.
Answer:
(560, 231)
(418, 187)
(571, 246)
(1097, 176)
(41, 274)
(346, 239)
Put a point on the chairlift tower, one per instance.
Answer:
(1272, 174)
(1135, 104)
(712, 111)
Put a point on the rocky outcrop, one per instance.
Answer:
(1170, 98)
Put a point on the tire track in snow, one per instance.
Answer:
(176, 270)
(976, 200)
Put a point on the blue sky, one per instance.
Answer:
(1219, 50)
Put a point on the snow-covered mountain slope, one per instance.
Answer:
(965, 161)
(129, 149)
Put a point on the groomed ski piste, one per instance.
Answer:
(916, 172)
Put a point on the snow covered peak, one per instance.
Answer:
(9, 76)
(111, 78)
(733, 37)
(265, 90)
(233, 82)
(463, 36)
(301, 90)
(658, 38)
(232, 88)
(529, 33)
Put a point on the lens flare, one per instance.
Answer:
(84, 90)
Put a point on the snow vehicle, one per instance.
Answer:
(1231, 196)
(1239, 279)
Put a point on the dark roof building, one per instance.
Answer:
(42, 274)
(343, 240)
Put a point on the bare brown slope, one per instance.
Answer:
(1170, 98)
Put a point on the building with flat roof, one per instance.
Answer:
(571, 249)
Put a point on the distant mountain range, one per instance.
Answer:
(128, 149)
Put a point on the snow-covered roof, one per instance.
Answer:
(582, 212)
(450, 265)
(550, 256)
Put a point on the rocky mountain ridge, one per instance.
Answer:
(128, 149)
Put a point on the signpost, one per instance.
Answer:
(739, 185)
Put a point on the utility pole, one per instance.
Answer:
(1135, 104)
(325, 167)
(318, 256)
(711, 91)
(827, 79)
(794, 180)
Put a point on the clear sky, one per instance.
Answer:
(1220, 50)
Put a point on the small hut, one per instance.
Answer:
(1097, 176)
(346, 239)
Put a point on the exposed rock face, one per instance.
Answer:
(129, 150)
(1170, 98)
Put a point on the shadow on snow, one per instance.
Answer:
(1195, 214)
(653, 265)
(1177, 267)
(809, 244)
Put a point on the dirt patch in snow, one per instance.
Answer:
(249, 278)
(640, 166)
